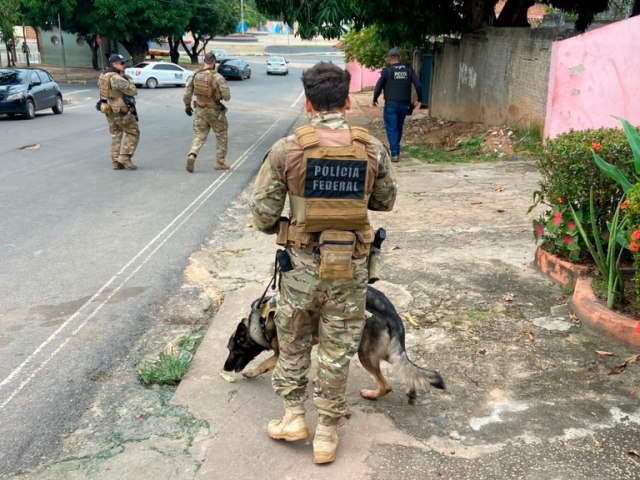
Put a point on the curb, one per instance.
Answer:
(616, 326)
(562, 272)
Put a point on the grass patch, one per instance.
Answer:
(528, 142)
(172, 363)
(469, 151)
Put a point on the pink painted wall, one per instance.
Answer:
(361, 77)
(593, 76)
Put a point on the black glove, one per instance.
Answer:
(188, 111)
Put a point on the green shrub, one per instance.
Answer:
(569, 173)
(631, 208)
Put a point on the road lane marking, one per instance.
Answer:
(76, 91)
(172, 228)
(293, 105)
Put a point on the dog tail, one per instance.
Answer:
(413, 376)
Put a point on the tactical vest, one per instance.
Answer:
(398, 85)
(332, 180)
(104, 84)
(204, 84)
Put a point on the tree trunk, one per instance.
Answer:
(193, 51)
(91, 41)
(174, 45)
(137, 47)
(480, 13)
(514, 14)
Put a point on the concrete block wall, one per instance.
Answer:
(499, 76)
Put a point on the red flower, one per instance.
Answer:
(557, 218)
(635, 247)
(539, 230)
(625, 204)
(596, 146)
(637, 327)
(635, 235)
(568, 239)
(571, 225)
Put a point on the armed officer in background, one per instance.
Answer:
(210, 88)
(332, 173)
(117, 103)
(396, 80)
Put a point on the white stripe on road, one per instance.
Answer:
(293, 105)
(76, 91)
(171, 228)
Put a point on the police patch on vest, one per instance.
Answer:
(331, 178)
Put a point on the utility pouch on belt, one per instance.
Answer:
(105, 107)
(283, 231)
(336, 253)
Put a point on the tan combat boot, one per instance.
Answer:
(325, 443)
(292, 427)
(125, 160)
(191, 161)
(221, 166)
(117, 165)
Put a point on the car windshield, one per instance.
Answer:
(141, 65)
(233, 62)
(276, 60)
(12, 77)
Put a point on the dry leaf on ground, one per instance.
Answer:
(411, 320)
(604, 354)
(227, 377)
(508, 297)
(620, 368)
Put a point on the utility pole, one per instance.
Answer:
(64, 58)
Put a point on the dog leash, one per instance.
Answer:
(272, 281)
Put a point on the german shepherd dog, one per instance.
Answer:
(382, 339)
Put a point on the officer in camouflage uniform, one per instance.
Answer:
(210, 88)
(116, 92)
(332, 173)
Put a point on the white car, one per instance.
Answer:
(220, 54)
(277, 65)
(153, 74)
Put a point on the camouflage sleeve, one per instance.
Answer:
(269, 190)
(188, 92)
(225, 93)
(125, 86)
(383, 196)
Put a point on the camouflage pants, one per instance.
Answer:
(119, 125)
(206, 119)
(339, 325)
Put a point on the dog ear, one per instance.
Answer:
(241, 331)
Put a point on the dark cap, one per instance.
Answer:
(209, 58)
(394, 52)
(115, 58)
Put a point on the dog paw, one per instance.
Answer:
(370, 394)
(250, 373)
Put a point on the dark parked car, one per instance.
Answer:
(235, 68)
(23, 91)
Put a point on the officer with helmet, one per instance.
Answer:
(117, 103)
(396, 80)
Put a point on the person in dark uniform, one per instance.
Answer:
(396, 81)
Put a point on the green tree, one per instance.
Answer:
(9, 17)
(207, 19)
(367, 46)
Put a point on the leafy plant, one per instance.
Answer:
(172, 363)
(605, 255)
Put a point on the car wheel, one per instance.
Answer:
(249, 75)
(59, 106)
(152, 83)
(30, 110)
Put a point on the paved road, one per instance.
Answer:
(87, 253)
